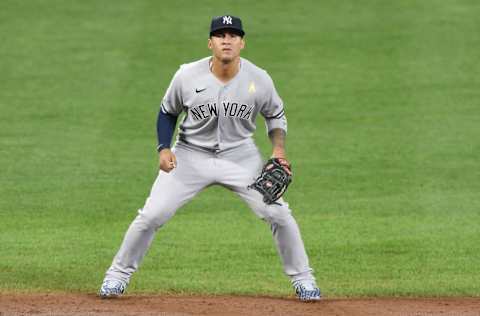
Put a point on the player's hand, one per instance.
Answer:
(279, 153)
(168, 161)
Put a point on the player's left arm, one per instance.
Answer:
(275, 119)
(277, 137)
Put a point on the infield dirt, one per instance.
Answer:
(166, 305)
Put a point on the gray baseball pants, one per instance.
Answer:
(234, 169)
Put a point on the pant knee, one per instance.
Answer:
(280, 219)
(153, 220)
(275, 214)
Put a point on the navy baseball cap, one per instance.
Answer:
(229, 22)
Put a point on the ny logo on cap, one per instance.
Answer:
(227, 19)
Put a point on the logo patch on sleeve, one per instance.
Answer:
(251, 88)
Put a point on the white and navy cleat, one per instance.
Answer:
(112, 288)
(307, 290)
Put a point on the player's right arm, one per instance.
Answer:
(165, 126)
(167, 119)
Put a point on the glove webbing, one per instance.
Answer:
(272, 182)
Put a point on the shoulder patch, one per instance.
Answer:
(251, 88)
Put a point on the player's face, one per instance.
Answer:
(226, 45)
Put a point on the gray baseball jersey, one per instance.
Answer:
(220, 116)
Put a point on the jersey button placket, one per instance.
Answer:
(221, 116)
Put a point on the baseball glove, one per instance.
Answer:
(273, 181)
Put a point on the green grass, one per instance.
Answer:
(384, 116)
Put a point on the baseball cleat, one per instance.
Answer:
(112, 288)
(307, 290)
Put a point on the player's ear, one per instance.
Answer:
(209, 43)
(242, 45)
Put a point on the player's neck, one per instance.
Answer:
(224, 71)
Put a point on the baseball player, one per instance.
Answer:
(220, 96)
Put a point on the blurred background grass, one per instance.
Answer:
(383, 106)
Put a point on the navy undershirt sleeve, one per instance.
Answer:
(165, 126)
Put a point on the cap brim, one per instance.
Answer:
(229, 28)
